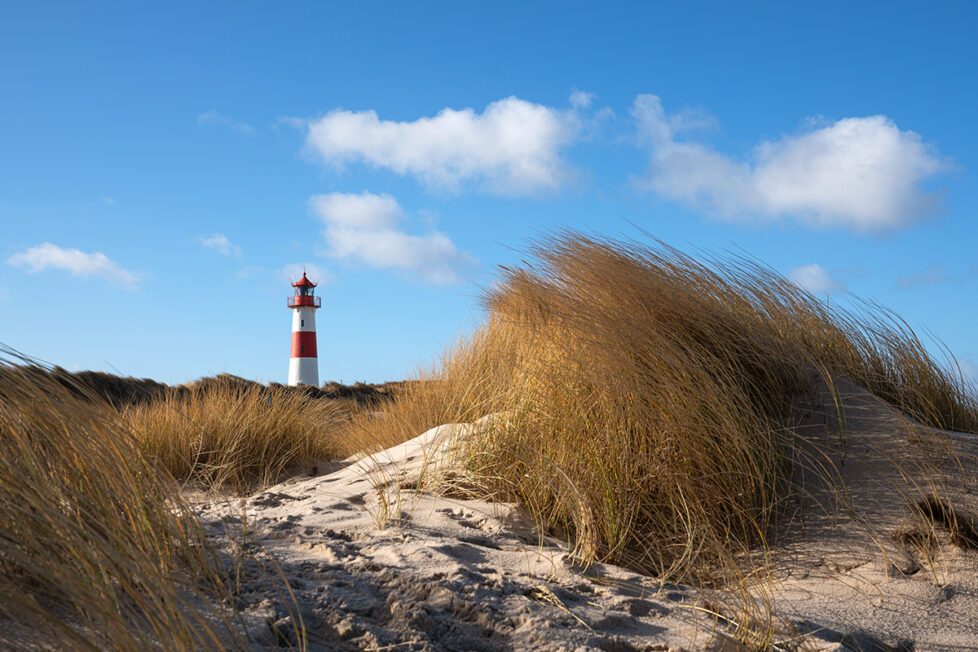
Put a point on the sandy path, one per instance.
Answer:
(431, 573)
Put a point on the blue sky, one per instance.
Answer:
(164, 168)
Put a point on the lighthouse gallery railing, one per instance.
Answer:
(295, 302)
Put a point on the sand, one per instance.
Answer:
(376, 564)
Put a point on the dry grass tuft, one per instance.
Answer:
(960, 526)
(648, 397)
(97, 548)
(235, 436)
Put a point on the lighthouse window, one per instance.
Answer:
(302, 349)
(302, 322)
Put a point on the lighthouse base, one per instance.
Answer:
(304, 371)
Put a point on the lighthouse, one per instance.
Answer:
(303, 363)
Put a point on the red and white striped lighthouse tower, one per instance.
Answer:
(303, 363)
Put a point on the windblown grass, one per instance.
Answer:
(648, 396)
(236, 437)
(97, 548)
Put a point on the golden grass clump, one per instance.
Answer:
(236, 437)
(646, 397)
(97, 548)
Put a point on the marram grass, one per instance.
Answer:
(97, 548)
(647, 397)
(222, 436)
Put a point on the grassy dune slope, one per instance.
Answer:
(97, 548)
(649, 396)
(235, 438)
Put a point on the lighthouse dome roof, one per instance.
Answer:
(304, 282)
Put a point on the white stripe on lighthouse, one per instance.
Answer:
(303, 319)
(304, 371)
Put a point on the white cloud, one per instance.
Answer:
(291, 121)
(366, 227)
(864, 174)
(212, 117)
(220, 243)
(815, 279)
(48, 256)
(930, 276)
(581, 99)
(108, 201)
(511, 148)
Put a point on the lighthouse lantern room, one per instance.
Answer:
(304, 363)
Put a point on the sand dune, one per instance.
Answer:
(376, 563)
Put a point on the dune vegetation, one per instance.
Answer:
(236, 438)
(98, 550)
(98, 546)
(649, 397)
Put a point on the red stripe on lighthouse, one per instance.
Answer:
(304, 344)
